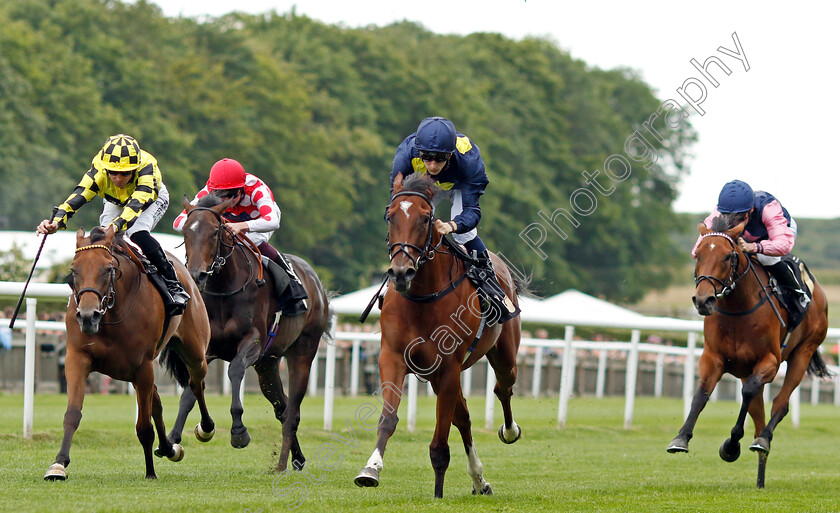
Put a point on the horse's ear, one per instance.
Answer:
(109, 234)
(398, 183)
(80, 238)
(185, 202)
(703, 229)
(737, 230)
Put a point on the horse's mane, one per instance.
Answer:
(719, 224)
(209, 200)
(97, 233)
(422, 183)
(724, 222)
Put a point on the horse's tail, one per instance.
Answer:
(331, 317)
(522, 283)
(817, 367)
(175, 366)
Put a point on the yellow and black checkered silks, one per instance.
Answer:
(120, 153)
(137, 195)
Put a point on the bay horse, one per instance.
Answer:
(431, 319)
(241, 305)
(116, 324)
(745, 337)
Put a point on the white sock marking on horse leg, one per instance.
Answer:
(375, 461)
(513, 432)
(475, 469)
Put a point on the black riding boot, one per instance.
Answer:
(293, 299)
(178, 298)
(796, 299)
(492, 289)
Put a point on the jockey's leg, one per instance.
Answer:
(496, 293)
(293, 299)
(797, 298)
(178, 297)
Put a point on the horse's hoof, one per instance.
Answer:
(486, 491)
(761, 444)
(502, 434)
(368, 477)
(678, 444)
(202, 436)
(56, 472)
(240, 440)
(729, 450)
(177, 453)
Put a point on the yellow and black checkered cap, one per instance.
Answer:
(120, 153)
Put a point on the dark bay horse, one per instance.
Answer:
(116, 325)
(430, 319)
(744, 336)
(241, 304)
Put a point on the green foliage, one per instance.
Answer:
(317, 112)
(13, 266)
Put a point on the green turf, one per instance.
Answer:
(591, 465)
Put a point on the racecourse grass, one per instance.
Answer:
(591, 465)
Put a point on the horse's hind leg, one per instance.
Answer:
(272, 388)
(185, 406)
(474, 467)
(299, 358)
(191, 352)
(246, 355)
(797, 366)
(166, 447)
(502, 358)
(77, 371)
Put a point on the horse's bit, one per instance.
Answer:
(728, 287)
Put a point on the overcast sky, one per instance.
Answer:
(772, 126)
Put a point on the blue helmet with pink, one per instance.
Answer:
(436, 135)
(736, 196)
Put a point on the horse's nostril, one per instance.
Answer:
(410, 274)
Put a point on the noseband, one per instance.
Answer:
(107, 299)
(729, 285)
(427, 252)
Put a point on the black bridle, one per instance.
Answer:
(106, 299)
(728, 286)
(427, 252)
(220, 260)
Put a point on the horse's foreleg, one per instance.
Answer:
(448, 389)
(711, 369)
(392, 371)
(77, 369)
(474, 467)
(246, 355)
(144, 385)
(502, 358)
(192, 354)
(751, 388)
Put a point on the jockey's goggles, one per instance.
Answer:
(120, 173)
(434, 156)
